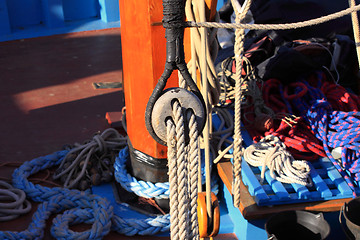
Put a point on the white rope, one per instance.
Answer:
(194, 175)
(271, 152)
(182, 179)
(183, 175)
(239, 52)
(172, 163)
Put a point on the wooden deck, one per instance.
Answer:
(47, 99)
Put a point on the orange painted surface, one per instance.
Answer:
(143, 54)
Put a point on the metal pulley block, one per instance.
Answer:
(162, 110)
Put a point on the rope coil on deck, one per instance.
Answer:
(271, 152)
(143, 188)
(55, 200)
(338, 129)
(12, 202)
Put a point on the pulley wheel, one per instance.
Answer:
(162, 110)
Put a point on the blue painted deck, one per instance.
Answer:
(328, 184)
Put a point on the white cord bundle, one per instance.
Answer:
(271, 152)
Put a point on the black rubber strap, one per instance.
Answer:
(174, 22)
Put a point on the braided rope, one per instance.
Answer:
(285, 26)
(171, 143)
(57, 199)
(131, 184)
(193, 167)
(271, 152)
(182, 179)
(143, 188)
(239, 52)
(338, 129)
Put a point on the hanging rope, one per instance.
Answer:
(271, 152)
(239, 52)
(183, 209)
(13, 202)
(193, 12)
(193, 169)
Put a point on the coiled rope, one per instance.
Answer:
(271, 152)
(55, 200)
(194, 12)
(13, 202)
(294, 131)
(141, 188)
(103, 143)
(338, 129)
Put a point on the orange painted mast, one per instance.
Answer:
(144, 55)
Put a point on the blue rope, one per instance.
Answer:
(143, 188)
(83, 208)
(338, 129)
(333, 128)
(131, 184)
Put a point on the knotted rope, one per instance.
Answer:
(271, 152)
(183, 187)
(13, 202)
(338, 129)
(239, 52)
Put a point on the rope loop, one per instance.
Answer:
(338, 129)
(271, 152)
(12, 202)
(84, 207)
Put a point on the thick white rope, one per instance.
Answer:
(271, 152)
(173, 188)
(182, 178)
(183, 175)
(194, 175)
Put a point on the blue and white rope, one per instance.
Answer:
(338, 129)
(83, 207)
(143, 188)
